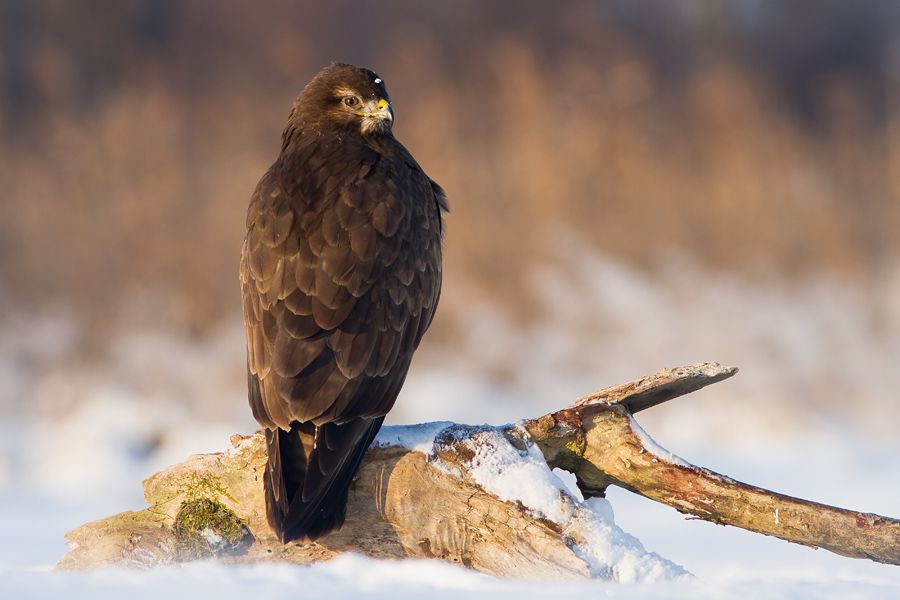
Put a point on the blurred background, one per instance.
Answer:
(634, 185)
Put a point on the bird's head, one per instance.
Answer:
(347, 98)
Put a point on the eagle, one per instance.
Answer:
(340, 278)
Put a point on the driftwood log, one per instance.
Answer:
(408, 503)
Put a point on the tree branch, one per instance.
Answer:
(405, 503)
(599, 441)
(660, 387)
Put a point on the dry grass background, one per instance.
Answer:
(750, 138)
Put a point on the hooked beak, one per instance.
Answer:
(376, 113)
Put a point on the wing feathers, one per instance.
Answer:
(340, 276)
(291, 358)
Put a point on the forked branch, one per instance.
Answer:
(598, 440)
(407, 503)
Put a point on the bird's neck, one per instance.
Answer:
(306, 152)
(302, 134)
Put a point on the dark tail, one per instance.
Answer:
(309, 472)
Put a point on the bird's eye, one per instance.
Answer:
(351, 100)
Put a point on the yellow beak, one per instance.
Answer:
(380, 110)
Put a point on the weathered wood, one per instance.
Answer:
(405, 503)
(660, 387)
(401, 504)
(600, 442)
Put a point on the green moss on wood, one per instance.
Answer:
(205, 527)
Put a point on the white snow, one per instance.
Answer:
(655, 449)
(517, 476)
(807, 348)
(613, 554)
(571, 483)
(212, 538)
(353, 576)
(523, 476)
(726, 562)
(419, 437)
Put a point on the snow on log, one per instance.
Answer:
(599, 441)
(460, 493)
(481, 496)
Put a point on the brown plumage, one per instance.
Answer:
(340, 277)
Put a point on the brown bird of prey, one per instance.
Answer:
(340, 277)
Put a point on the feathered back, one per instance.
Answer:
(340, 278)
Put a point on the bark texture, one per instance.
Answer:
(406, 504)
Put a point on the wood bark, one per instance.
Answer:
(599, 440)
(406, 504)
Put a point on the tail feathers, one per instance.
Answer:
(285, 449)
(309, 473)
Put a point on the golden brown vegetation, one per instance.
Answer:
(134, 194)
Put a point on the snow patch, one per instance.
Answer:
(611, 552)
(522, 476)
(213, 539)
(655, 449)
(570, 481)
(353, 577)
(418, 438)
(516, 476)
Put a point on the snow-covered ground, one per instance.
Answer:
(725, 562)
(812, 413)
